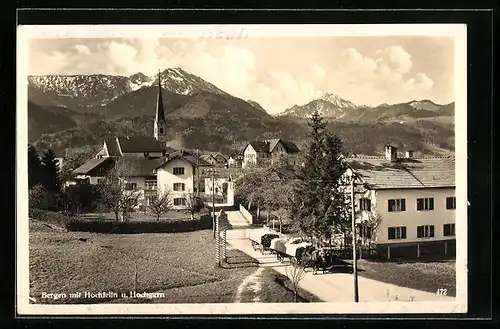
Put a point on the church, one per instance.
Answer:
(146, 164)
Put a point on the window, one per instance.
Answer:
(178, 170)
(150, 199)
(398, 232)
(130, 186)
(397, 205)
(179, 186)
(451, 203)
(448, 229)
(100, 181)
(179, 201)
(425, 231)
(161, 130)
(425, 204)
(365, 204)
(150, 185)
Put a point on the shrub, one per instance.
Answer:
(265, 240)
(50, 217)
(110, 226)
(41, 198)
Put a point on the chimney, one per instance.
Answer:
(409, 154)
(391, 153)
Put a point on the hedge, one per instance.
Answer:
(265, 240)
(111, 226)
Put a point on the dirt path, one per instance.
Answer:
(249, 289)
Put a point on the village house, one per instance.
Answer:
(177, 175)
(413, 198)
(146, 165)
(235, 160)
(265, 153)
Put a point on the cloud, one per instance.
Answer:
(384, 78)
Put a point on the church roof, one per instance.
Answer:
(138, 144)
(160, 112)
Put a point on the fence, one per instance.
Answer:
(246, 214)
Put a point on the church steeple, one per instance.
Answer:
(160, 129)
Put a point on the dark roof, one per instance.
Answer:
(92, 166)
(290, 146)
(138, 144)
(268, 147)
(160, 112)
(260, 146)
(112, 146)
(193, 159)
(132, 166)
(379, 173)
(206, 157)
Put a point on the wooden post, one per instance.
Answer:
(354, 247)
(388, 252)
(445, 248)
(217, 243)
(418, 250)
(224, 239)
(213, 203)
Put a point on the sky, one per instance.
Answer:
(277, 72)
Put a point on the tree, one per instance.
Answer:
(51, 180)
(193, 203)
(41, 198)
(75, 158)
(295, 274)
(34, 167)
(319, 204)
(115, 194)
(372, 225)
(161, 204)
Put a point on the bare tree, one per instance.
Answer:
(161, 204)
(116, 195)
(373, 224)
(193, 203)
(295, 274)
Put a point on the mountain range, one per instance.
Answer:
(77, 110)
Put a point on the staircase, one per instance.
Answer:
(236, 219)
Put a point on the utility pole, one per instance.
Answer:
(354, 256)
(213, 201)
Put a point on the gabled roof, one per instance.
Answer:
(268, 147)
(379, 173)
(290, 146)
(112, 146)
(133, 166)
(206, 157)
(259, 146)
(93, 165)
(192, 159)
(139, 144)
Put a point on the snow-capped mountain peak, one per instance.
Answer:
(337, 101)
(424, 104)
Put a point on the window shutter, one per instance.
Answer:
(431, 204)
(419, 231)
(445, 230)
(390, 204)
(403, 232)
(403, 205)
(420, 204)
(391, 234)
(431, 233)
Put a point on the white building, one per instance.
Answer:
(177, 175)
(413, 197)
(267, 152)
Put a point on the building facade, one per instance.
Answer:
(269, 152)
(403, 201)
